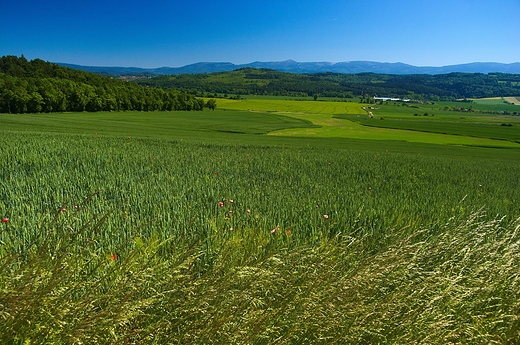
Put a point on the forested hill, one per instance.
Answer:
(270, 82)
(38, 86)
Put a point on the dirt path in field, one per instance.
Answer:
(513, 100)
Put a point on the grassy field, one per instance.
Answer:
(401, 123)
(152, 125)
(505, 131)
(292, 106)
(198, 228)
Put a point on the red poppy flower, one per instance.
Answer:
(5, 220)
(113, 257)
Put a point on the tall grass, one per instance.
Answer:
(457, 286)
(123, 240)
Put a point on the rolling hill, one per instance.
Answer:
(253, 81)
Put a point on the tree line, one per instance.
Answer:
(37, 86)
(253, 81)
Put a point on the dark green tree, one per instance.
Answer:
(211, 104)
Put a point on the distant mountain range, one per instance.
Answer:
(309, 67)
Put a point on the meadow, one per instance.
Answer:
(405, 123)
(199, 228)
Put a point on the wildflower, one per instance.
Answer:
(63, 210)
(248, 211)
(128, 137)
(325, 216)
(231, 229)
(288, 232)
(113, 257)
(221, 204)
(214, 172)
(231, 201)
(224, 199)
(230, 211)
(275, 230)
(5, 220)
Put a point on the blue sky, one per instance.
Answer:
(157, 33)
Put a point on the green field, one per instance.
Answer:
(152, 125)
(278, 225)
(350, 120)
(505, 131)
(292, 106)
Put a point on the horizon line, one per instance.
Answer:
(290, 60)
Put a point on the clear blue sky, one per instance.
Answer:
(156, 33)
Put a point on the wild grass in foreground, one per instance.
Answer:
(460, 285)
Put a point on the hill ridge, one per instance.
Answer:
(349, 67)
